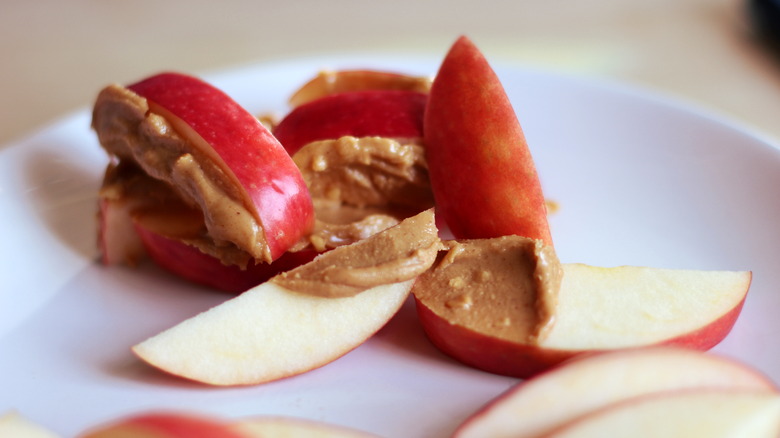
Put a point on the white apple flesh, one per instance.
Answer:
(629, 306)
(269, 332)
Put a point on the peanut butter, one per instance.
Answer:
(367, 171)
(506, 287)
(396, 254)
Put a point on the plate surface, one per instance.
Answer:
(639, 180)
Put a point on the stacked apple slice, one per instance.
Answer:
(648, 392)
(218, 160)
(485, 187)
(355, 103)
(356, 136)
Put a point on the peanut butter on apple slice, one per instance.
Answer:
(505, 287)
(366, 171)
(360, 186)
(396, 254)
(130, 132)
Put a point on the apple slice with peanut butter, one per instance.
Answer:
(302, 319)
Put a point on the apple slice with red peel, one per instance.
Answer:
(249, 339)
(229, 144)
(539, 405)
(684, 414)
(188, 262)
(597, 309)
(329, 82)
(482, 173)
(142, 217)
(288, 427)
(382, 113)
(166, 425)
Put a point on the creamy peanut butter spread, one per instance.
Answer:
(128, 130)
(154, 205)
(506, 287)
(396, 254)
(367, 171)
(338, 224)
(361, 186)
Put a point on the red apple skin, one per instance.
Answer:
(166, 425)
(483, 176)
(248, 151)
(382, 113)
(189, 263)
(506, 358)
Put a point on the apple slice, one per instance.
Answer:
(683, 414)
(383, 113)
(117, 241)
(483, 177)
(539, 405)
(250, 339)
(188, 262)
(288, 427)
(166, 425)
(13, 425)
(217, 156)
(329, 82)
(597, 309)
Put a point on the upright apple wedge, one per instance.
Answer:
(482, 173)
(304, 318)
(540, 405)
(684, 414)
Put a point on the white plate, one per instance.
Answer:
(639, 179)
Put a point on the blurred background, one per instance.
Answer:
(56, 55)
